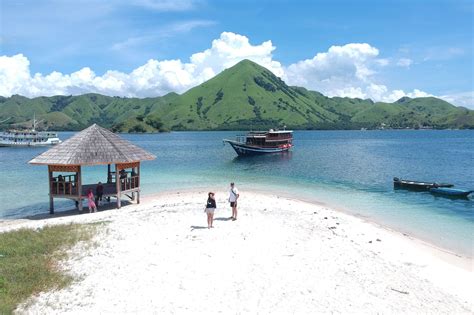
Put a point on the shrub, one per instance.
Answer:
(266, 85)
(137, 129)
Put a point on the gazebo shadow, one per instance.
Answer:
(107, 206)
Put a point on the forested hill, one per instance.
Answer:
(245, 96)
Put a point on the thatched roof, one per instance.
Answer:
(92, 146)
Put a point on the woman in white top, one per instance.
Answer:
(233, 196)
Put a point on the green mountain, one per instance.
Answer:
(245, 96)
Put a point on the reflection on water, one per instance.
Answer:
(264, 161)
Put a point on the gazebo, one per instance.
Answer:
(93, 146)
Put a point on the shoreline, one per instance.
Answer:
(310, 253)
(449, 255)
(422, 242)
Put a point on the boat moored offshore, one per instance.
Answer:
(28, 138)
(17, 138)
(416, 185)
(262, 142)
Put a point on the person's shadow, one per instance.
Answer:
(196, 227)
(222, 219)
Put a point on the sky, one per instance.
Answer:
(381, 50)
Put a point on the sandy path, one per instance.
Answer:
(281, 256)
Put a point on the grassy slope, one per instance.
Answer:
(29, 259)
(246, 94)
(428, 111)
(241, 97)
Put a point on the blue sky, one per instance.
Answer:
(425, 46)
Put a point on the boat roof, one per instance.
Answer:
(29, 131)
(270, 131)
(280, 131)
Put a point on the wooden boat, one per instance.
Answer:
(451, 192)
(415, 185)
(262, 142)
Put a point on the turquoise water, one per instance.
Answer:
(351, 170)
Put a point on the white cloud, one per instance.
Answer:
(345, 71)
(154, 78)
(398, 94)
(231, 48)
(383, 62)
(465, 99)
(335, 72)
(348, 70)
(404, 62)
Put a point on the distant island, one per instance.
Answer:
(245, 96)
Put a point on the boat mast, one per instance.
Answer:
(34, 121)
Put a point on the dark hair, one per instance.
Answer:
(210, 193)
(232, 183)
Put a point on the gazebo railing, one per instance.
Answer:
(129, 183)
(67, 185)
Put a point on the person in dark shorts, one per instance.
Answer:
(99, 192)
(233, 196)
(210, 208)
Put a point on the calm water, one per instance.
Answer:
(352, 170)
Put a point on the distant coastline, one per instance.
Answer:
(237, 130)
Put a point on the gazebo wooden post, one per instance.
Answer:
(138, 184)
(118, 185)
(79, 188)
(51, 200)
(93, 146)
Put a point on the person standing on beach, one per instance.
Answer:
(90, 199)
(210, 208)
(99, 192)
(233, 196)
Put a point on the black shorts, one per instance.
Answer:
(233, 204)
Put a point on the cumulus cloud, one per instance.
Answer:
(347, 70)
(153, 78)
(335, 72)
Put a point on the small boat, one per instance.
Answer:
(415, 185)
(451, 192)
(28, 138)
(262, 142)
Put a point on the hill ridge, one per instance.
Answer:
(244, 96)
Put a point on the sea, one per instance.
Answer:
(348, 170)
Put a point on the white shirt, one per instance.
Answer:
(233, 194)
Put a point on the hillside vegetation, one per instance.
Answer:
(245, 96)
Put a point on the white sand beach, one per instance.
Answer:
(281, 256)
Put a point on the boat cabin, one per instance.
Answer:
(269, 138)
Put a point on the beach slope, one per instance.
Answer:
(281, 256)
